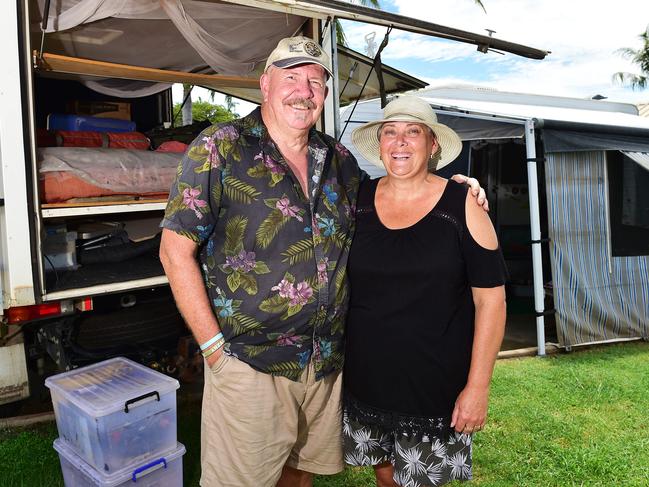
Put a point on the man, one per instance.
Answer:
(255, 242)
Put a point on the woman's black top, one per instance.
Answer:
(410, 322)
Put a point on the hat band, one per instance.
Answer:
(406, 116)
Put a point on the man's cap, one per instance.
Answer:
(292, 51)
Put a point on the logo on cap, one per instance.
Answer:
(312, 49)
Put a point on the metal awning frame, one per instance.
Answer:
(324, 9)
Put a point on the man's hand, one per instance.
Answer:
(476, 190)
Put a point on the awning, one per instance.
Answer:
(556, 140)
(567, 125)
(472, 128)
(642, 158)
(346, 10)
(210, 36)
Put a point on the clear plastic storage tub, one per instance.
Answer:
(115, 413)
(59, 250)
(158, 471)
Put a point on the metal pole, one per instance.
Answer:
(334, 82)
(535, 227)
(607, 211)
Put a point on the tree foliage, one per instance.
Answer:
(640, 57)
(204, 110)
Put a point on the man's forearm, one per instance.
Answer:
(188, 287)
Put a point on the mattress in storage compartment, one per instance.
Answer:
(67, 173)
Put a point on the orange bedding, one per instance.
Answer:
(61, 186)
(80, 173)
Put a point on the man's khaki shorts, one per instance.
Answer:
(254, 423)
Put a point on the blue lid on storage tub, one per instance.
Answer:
(109, 386)
(125, 476)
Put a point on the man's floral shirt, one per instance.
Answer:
(273, 258)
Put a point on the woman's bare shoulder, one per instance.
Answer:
(479, 224)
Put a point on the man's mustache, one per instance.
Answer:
(303, 102)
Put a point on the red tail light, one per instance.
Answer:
(84, 304)
(20, 314)
(29, 313)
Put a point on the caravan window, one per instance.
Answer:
(628, 180)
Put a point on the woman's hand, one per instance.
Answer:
(470, 412)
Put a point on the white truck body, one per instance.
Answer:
(16, 277)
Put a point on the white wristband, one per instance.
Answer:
(209, 342)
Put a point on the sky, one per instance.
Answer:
(583, 37)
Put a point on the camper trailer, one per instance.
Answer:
(86, 111)
(566, 180)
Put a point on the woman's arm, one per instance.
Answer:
(470, 410)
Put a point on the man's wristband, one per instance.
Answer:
(211, 341)
(219, 343)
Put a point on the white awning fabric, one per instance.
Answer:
(214, 36)
(180, 35)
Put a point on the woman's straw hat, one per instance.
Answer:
(408, 109)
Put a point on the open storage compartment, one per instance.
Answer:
(101, 190)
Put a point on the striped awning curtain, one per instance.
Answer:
(593, 303)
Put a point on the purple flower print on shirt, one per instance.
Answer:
(226, 133)
(273, 166)
(285, 288)
(289, 338)
(322, 270)
(244, 261)
(342, 150)
(284, 205)
(191, 200)
(213, 153)
(302, 294)
(298, 295)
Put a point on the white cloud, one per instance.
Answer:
(406, 45)
(426, 49)
(547, 24)
(582, 35)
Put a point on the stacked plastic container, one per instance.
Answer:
(117, 425)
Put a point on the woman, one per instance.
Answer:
(427, 310)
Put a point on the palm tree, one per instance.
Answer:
(639, 57)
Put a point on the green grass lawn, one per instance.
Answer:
(578, 419)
